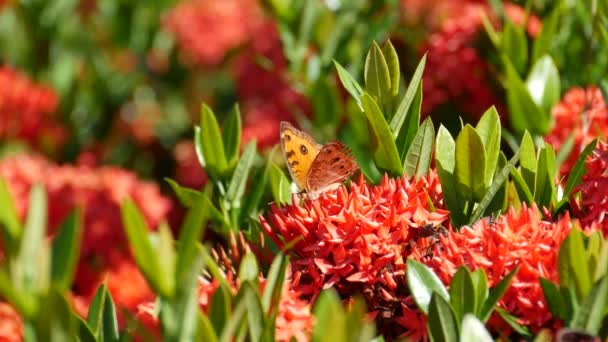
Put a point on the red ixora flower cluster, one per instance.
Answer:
(592, 211)
(207, 30)
(583, 113)
(515, 239)
(26, 110)
(11, 324)
(188, 171)
(99, 193)
(358, 241)
(455, 71)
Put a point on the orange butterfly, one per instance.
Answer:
(315, 168)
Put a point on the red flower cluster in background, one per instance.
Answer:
(99, 193)
(358, 241)
(188, 171)
(523, 239)
(207, 30)
(455, 71)
(26, 110)
(583, 114)
(11, 324)
(592, 210)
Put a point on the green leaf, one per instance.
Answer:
(274, 281)
(441, 323)
(523, 111)
(248, 269)
(515, 45)
(232, 135)
(470, 164)
(32, 261)
(571, 261)
(462, 290)
(166, 257)
(205, 329)
(329, 316)
(402, 111)
(386, 156)
(392, 61)
(473, 330)
(411, 125)
(255, 314)
(553, 298)
(65, 251)
(499, 180)
(191, 231)
(528, 160)
(499, 202)
(543, 84)
(496, 293)
(220, 308)
(480, 282)
(211, 144)
(488, 129)
(542, 43)
(377, 76)
(281, 186)
(544, 186)
(185, 195)
(9, 221)
(445, 161)
(423, 283)
(85, 334)
(418, 159)
(579, 169)
(144, 254)
(512, 322)
(236, 189)
(234, 322)
(102, 315)
(590, 314)
(524, 193)
(350, 84)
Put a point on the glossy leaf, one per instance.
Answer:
(220, 308)
(544, 40)
(236, 189)
(274, 281)
(377, 76)
(166, 257)
(474, 330)
(205, 329)
(9, 221)
(579, 169)
(445, 162)
(192, 230)
(410, 127)
(499, 203)
(211, 144)
(102, 315)
(543, 83)
(392, 61)
(553, 298)
(528, 160)
(571, 258)
(512, 322)
(385, 151)
(592, 311)
(330, 323)
(255, 313)
(514, 44)
(232, 135)
(399, 119)
(281, 186)
(462, 293)
(480, 283)
(248, 269)
(544, 187)
(418, 159)
(470, 164)
(423, 283)
(254, 195)
(441, 323)
(524, 114)
(65, 251)
(496, 294)
(524, 193)
(350, 84)
(488, 129)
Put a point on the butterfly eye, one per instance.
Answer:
(303, 149)
(287, 137)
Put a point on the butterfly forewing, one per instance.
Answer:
(299, 150)
(332, 166)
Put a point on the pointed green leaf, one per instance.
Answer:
(512, 322)
(544, 186)
(205, 329)
(523, 111)
(102, 315)
(445, 162)
(167, 257)
(385, 151)
(232, 135)
(571, 257)
(423, 283)
(65, 252)
(480, 282)
(330, 321)
(255, 314)
(499, 202)
(470, 164)
(544, 40)
(281, 186)
(211, 144)
(350, 84)
(418, 159)
(248, 269)
(274, 281)
(441, 323)
(191, 232)
(515, 45)
(474, 330)
(236, 189)
(252, 200)
(488, 129)
(220, 308)
(496, 294)
(553, 298)
(392, 61)
(402, 111)
(579, 169)
(462, 290)
(377, 77)
(591, 313)
(9, 221)
(528, 160)
(524, 193)
(543, 83)
(233, 323)
(410, 127)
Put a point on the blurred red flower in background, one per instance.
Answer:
(11, 324)
(455, 70)
(99, 193)
(207, 30)
(188, 171)
(357, 241)
(581, 113)
(26, 111)
(513, 239)
(593, 208)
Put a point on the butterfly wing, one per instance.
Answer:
(299, 150)
(331, 167)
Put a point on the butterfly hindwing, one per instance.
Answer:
(299, 150)
(332, 166)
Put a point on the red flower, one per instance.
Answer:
(188, 171)
(99, 192)
(583, 113)
(455, 71)
(593, 209)
(11, 324)
(358, 241)
(498, 247)
(207, 30)
(26, 110)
